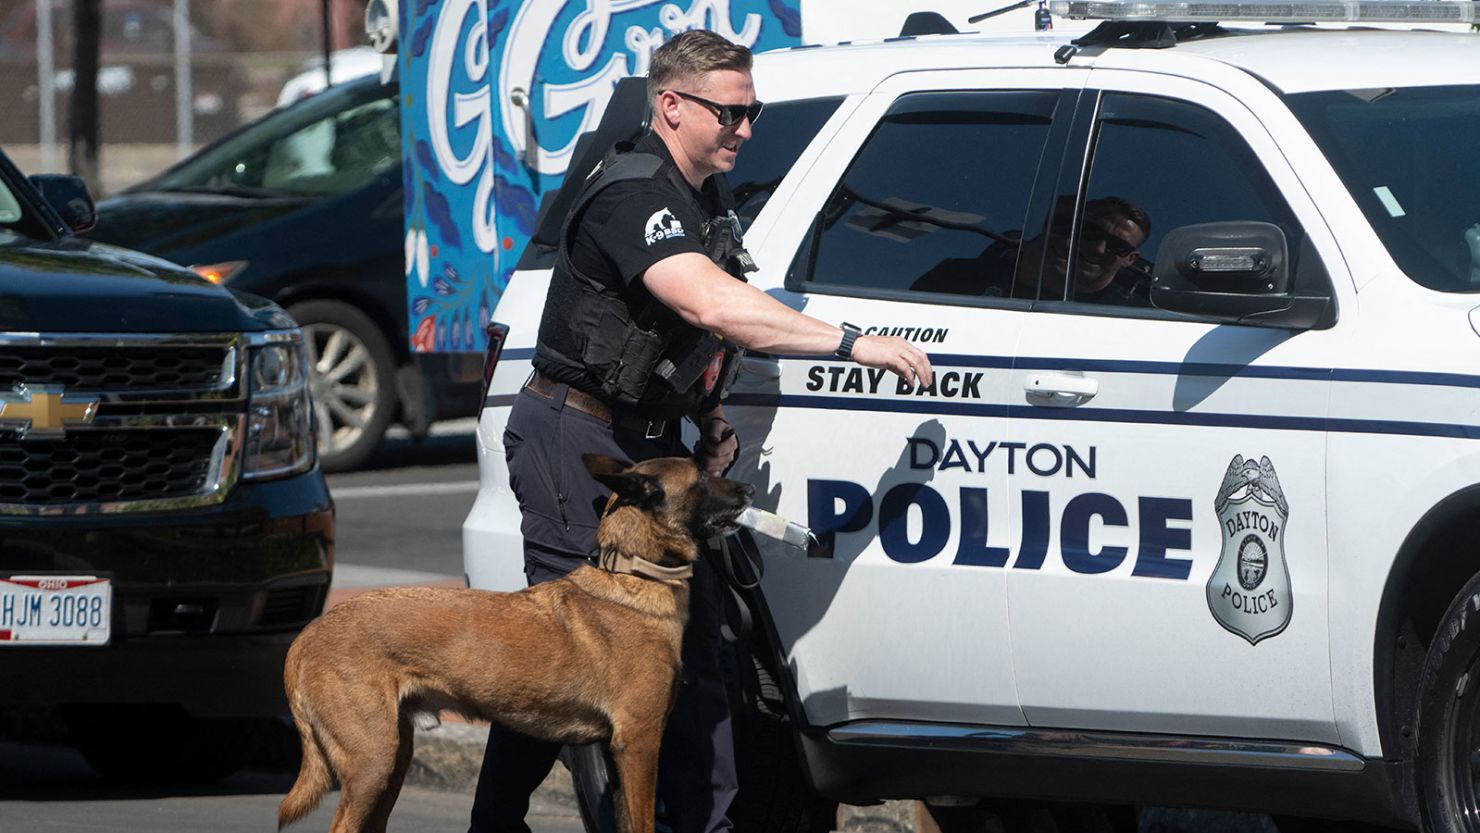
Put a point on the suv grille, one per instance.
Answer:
(107, 466)
(125, 422)
(113, 367)
(291, 605)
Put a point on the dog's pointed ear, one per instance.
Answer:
(600, 465)
(632, 487)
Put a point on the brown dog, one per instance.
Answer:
(591, 657)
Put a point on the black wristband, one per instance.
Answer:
(845, 347)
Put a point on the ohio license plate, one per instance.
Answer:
(55, 610)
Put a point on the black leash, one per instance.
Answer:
(738, 552)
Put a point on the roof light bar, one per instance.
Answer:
(1342, 11)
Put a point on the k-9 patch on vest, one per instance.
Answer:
(661, 226)
(1249, 590)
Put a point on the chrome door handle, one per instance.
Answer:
(1060, 390)
(531, 157)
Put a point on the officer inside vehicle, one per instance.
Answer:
(1110, 239)
(645, 311)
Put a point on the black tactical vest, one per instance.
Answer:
(648, 359)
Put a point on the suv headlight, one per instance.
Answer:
(280, 437)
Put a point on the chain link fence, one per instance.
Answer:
(173, 74)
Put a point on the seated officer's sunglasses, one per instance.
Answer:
(727, 114)
(1115, 245)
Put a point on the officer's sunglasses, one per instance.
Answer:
(727, 114)
(1115, 245)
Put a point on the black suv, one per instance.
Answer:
(304, 207)
(165, 530)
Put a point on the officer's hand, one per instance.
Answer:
(718, 447)
(895, 354)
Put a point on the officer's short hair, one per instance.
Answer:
(1124, 208)
(688, 56)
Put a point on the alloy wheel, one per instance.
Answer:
(343, 380)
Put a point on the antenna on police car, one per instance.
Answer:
(1042, 20)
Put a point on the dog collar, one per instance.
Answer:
(617, 563)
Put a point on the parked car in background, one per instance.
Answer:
(304, 207)
(164, 530)
(344, 65)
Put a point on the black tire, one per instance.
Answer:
(352, 377)
(774, 796)
(1448, 719)
(159, 745)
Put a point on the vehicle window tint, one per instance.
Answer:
(330, 143)
(16, 212)
(336, 154)
(936, 199)
(10, 207)
(1157, 164)
(785, 130)
(1407, 154)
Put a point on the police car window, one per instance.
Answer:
(933, 204)
(785, 130)
(1407, 155)
(1157, 164)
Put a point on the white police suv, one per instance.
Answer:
(1191, 514)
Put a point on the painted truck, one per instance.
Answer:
(495, 92)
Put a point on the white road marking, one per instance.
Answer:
(465, 425)
(404, 489)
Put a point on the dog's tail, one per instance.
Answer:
(314, 776)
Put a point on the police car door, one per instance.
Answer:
(1169, 570)
(902, 610)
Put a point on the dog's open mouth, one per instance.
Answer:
(726, 502)
(727, 523)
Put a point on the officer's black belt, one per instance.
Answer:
(590, 405)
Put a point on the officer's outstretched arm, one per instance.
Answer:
(706, 297)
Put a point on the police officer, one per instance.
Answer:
(645, 309)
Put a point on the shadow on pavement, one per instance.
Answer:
(33, 770)
(39, 763)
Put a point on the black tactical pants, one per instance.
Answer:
(560, 504)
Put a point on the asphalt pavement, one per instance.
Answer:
(47, 788)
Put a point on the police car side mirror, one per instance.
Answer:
(69, 198)
(1235, 272)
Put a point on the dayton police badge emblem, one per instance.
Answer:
(1249, 590)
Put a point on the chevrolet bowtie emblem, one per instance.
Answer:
(44, 412)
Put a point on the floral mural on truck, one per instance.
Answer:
(494, 94)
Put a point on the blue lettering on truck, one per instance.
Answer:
(479, 78)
